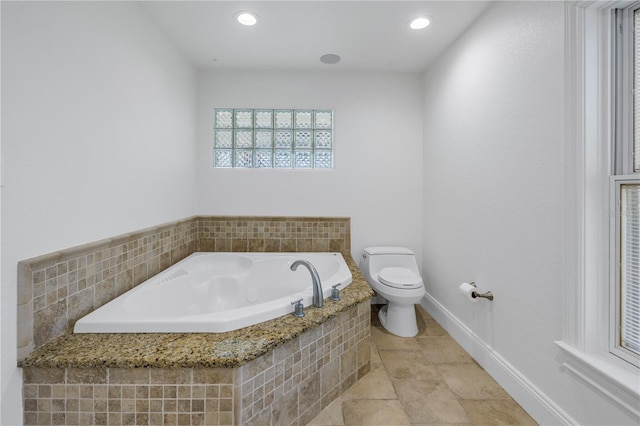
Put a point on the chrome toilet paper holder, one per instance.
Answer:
(487, 295)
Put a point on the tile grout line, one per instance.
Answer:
(485, 406)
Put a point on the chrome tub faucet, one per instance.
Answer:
(315, 278)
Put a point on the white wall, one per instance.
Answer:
(1, 174)
(378, 152)
(494, 205)
(101, 123)
(98, 114)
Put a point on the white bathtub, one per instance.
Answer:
(217, 292)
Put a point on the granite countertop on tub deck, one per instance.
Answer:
(192, 350)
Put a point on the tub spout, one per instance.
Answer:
(315, 278)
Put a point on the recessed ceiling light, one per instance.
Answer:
(330, 58)
(419, 23)
(246, 18)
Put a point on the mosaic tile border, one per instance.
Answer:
(128, 396)
(274, 234)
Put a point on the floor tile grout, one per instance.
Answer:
(422, 383)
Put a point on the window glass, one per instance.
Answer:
(273, 138)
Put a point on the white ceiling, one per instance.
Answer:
(292, 35)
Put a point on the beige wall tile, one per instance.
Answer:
(43, 375)
(128, 375)
(170, 376)
(86, 375)
(213, 375)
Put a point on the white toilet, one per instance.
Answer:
(392, 272)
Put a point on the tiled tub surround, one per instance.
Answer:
(290, 384)
(290, 234)
(57, 289)
(283, 371)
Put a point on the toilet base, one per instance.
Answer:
(399, 320)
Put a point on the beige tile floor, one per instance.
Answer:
(425, 380)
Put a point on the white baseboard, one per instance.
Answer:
(533, 400)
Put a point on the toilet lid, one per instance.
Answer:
(400, 278)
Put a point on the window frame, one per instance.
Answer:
(590, 131)
(623, 167)
(615, 287)
(623, 84)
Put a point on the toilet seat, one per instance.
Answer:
(400, 278)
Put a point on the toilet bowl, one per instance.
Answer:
(392, 272)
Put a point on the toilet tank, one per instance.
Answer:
(375, 258)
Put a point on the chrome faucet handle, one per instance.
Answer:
(335, 293)
(298, 308)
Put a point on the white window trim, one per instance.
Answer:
(614, 270)
(589, 132)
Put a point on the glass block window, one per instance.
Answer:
(273, 138)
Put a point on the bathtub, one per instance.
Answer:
(217, 292)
